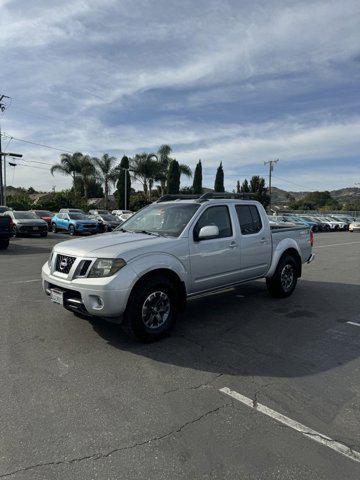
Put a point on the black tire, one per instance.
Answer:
(15, 232)
(4, 243)
(43, 234)
(159, 293)
(53, 228)
(283, 282)
(72, 230)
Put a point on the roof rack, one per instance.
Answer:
(206, 196)
(224, 195)
(177, 196)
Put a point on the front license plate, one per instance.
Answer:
(57, 296)
(35, 228)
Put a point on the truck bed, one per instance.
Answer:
(298, 233)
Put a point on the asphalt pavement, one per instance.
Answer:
(79, 400)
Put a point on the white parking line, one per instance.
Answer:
(335, 244)
(27, 281)
(356, 324)
(308, 432)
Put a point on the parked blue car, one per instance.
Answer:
(74, 223)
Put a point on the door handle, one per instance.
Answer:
(263, 240)
(233, 245)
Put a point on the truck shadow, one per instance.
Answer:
(246, 332)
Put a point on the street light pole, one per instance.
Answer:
(3, 155)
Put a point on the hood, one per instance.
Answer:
(107, 245)
(37, 222)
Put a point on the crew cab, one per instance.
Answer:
(74, 223)
(142, 273)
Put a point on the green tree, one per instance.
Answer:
(238, 187)
(257, 187)
(173, 177)
(106, 172)
(145, 168)
(245, 186)
(219, 179)
(197, 182)
(121, 184)
(138, 200)
(31, 190)
(21, 201)
(70, 164)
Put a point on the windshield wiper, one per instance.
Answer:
(148, 232)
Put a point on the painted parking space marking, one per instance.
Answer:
(27, 281)
(336, 244)
(356, 324)
(299, 427)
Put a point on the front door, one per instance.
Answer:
(214, 262)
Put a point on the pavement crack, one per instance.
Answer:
(194, 387)
(101, 455)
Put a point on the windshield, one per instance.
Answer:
(25, 215)
(109, 218)
(163, 219)
(78, 216)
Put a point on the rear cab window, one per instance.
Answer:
(249, 219)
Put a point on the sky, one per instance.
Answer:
(237, 81)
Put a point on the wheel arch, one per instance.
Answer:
(172, 276)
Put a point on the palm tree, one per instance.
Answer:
(87, 173)
(107, 172)
(164, 160)
(145, 168)
(70, 164)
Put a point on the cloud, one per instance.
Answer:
(222, 80)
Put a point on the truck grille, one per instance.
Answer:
(64, 263)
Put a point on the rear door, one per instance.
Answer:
(214, 262)
(256, 248)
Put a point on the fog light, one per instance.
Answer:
(97, 303)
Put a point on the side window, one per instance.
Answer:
(249, 219)
(218, 216)
(60, 216)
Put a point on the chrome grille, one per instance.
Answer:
(64, 263)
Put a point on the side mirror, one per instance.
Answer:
(207, 232)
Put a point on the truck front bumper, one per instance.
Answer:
(78, 296)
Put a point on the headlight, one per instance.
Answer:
(50, 258)
(105, 267)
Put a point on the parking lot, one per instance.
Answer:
(80, 400)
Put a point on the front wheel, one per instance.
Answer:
(53, 228)
(15, 232)
(283, 282)
(151, 311)
(72, 230)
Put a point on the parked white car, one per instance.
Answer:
(143, 272)
(355, 226)
(123, 215)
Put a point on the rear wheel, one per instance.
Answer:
(72, 230)
(15, 231)
(151, 310)
(283, 282)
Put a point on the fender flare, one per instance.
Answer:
(285, 245)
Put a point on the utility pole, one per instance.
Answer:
(2, 109)
(271, 164)
(4, 155)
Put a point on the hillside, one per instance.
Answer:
(282, 197)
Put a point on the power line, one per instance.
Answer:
(39, 144)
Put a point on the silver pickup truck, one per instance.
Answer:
(142, 273)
